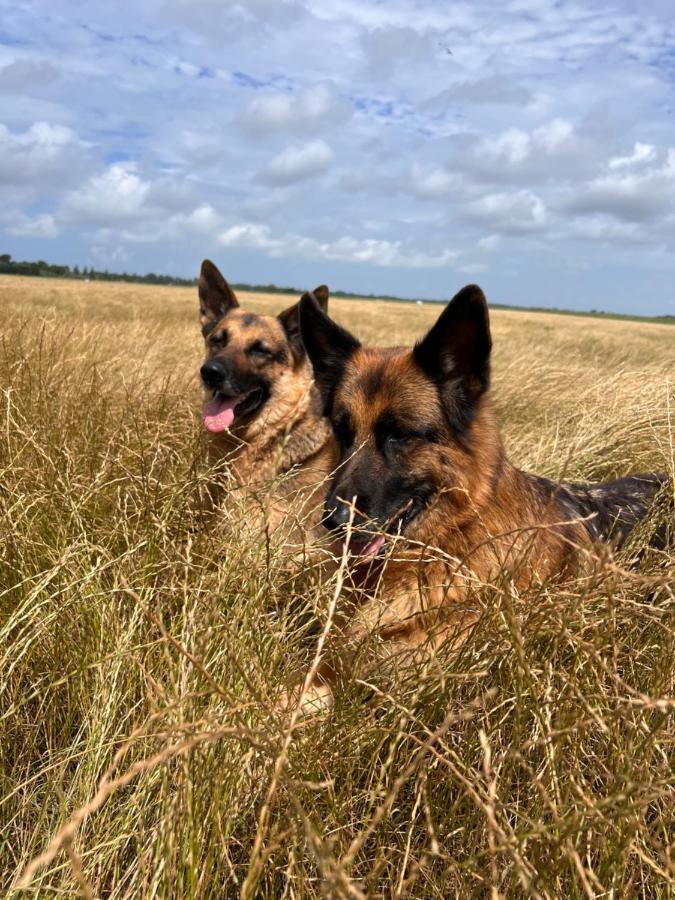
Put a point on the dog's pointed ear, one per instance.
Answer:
(456, 353)
(321, 295)
(216, 297)
(328, 345)
(290, 321)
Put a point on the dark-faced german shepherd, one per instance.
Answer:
(420, 458)
(261, 409)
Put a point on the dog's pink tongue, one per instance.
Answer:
(219, 413)
(363, 551)
(373, 547)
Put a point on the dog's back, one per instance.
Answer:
(610, 510)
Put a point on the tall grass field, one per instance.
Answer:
(145, 637)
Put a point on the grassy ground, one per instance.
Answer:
(142, 642)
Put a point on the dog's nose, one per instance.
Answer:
(336, 515)
(213, 373)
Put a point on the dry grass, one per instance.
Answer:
(142, 642)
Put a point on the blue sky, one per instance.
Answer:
(396, 147)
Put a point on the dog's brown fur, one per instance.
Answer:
(422, 457)
(286, 435)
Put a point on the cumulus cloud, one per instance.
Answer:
(514, 146)
(605, 230)
(343, 249)
(511, 146)
(512, 213)
(432, 184)
(554, 135)
(299, 163)
(158, 227)
(634, 196)
(116, 196)
(489, 242)
(204, 219)
(548, 156)
(125, 204)
(39, 153)
(298, 113)
(39, 226)
(642, 153)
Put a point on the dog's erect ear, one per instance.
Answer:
(290, 321)
(456, 353)
(216, 297)
(328, 346)
(321, 296)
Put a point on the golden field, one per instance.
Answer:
(142, 644)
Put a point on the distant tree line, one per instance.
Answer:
(42, 269)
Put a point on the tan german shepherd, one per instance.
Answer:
(261, 408)
(421, 464)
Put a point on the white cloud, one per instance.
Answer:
(553, 135)
(298, 163)
(546, 160)
(390, 48)
(493, 89)
(249, 235)
(204, 219)
(158, 227)
(641, 153)
(432, 184)
(116, 196)
(299, 113)
(512, 213)
(216, 21)
(472, 268)
(126, 205)
(489, 242)
(606, 230)
(41, 152)
(27, 75)
(109, 256)
(343, 249)
(40, 226)
(634, 196)
(513, 146)
(198, 148)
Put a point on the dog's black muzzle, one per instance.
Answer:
(214, 374)
(338, 512)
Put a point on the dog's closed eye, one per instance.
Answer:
(219, 338)
(390, 432)
(259, 350)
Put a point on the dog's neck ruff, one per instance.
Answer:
(304, 439)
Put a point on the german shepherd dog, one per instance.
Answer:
(261, 409)
(421, 464)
